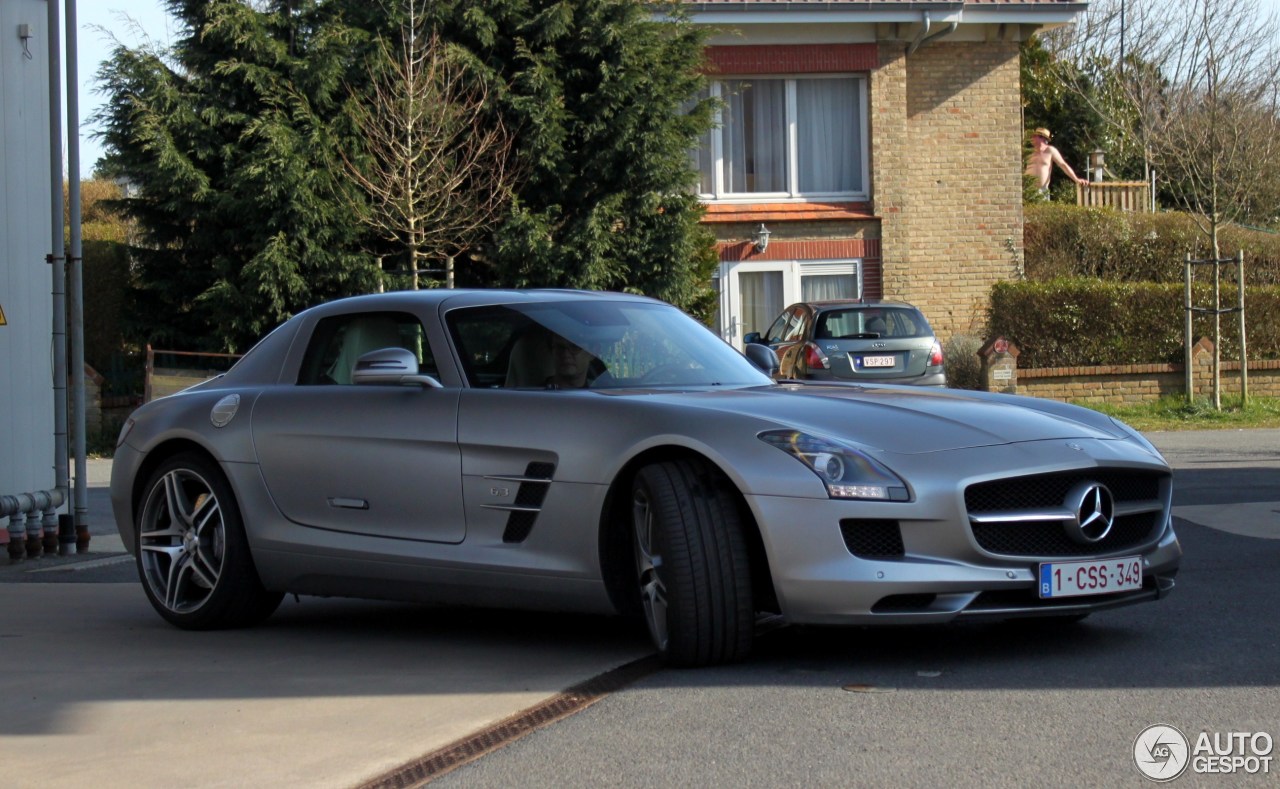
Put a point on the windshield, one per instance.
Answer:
(597, 344)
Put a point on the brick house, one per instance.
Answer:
(880, 144)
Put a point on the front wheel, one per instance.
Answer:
(193, 556)
(691, 564)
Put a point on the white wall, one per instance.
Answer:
(26, 365)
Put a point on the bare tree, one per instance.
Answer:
(437, 167)
(1216, 139)
(1199, 81)
(1111, 59)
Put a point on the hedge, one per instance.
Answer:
(1084, 322)
(1067, 241)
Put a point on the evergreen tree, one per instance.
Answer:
(225, 140)
(597, 92)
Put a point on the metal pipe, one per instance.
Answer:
(1186, 330)
(76, 262)
(56, 259)
(25, 524)
(1244, 356)
(928, 22)
(925, 38)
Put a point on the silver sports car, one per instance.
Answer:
(606, 453)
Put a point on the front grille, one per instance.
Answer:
(1037, 538)
(1138, 492)
(1049, 490)
(872, 539)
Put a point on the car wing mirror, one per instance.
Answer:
(763, 357)
(391, 366)
(751, 338)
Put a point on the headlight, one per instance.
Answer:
(848, 473)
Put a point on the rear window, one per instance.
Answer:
(856, 323)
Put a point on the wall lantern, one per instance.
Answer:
(761, 238)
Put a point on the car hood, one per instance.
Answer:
(904, 419)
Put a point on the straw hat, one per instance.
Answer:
(1042, 132)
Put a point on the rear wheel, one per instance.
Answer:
(193, 556)
(691, 564)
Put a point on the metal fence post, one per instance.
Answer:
(1186, 333)
(1244, 358)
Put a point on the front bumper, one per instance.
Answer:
(939, 571)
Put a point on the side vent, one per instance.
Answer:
(523, 512)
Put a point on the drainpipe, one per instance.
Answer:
(924, 36)
(57, 259)
(76, 261)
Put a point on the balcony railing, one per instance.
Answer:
(1122, 195)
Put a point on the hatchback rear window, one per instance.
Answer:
(878, 321)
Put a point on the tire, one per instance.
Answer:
(691, 564)
(193, 557)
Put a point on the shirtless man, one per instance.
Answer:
(1040, 162)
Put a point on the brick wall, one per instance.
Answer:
(946, 146)
(1138, 383)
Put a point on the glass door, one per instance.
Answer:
(753, 293)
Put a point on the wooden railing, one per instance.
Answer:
(1121, 195)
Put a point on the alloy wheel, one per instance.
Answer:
(653, 593)
(182, 540)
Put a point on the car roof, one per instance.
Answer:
(831, 304)
(449, 298)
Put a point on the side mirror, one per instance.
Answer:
(763, 357)
(752, 338)
(391, 366)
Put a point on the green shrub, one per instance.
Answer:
(1063, 241)
(1085, 322)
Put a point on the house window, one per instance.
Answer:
(786, 138)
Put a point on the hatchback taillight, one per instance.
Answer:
(813, 358)
(935, 355)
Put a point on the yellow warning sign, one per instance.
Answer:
(3, 322)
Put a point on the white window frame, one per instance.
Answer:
(793, 193)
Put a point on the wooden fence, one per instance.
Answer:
(165, 380)
(1123, 195)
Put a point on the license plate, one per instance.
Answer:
(1077, 579)
(879, 361)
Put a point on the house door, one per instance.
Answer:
(753, 293)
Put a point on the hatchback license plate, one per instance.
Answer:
(1077, 579)
(878, 361)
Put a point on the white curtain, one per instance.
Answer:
(829, 136)
(701, 156)
(755, 135)
(820, 287)
(760, 299)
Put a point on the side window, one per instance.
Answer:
(339, 340)
(486, 339)
(795, 332)
(779, 328)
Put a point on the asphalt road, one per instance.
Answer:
(969, 705)
(963, 705)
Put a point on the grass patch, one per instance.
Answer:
(1175, 413)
